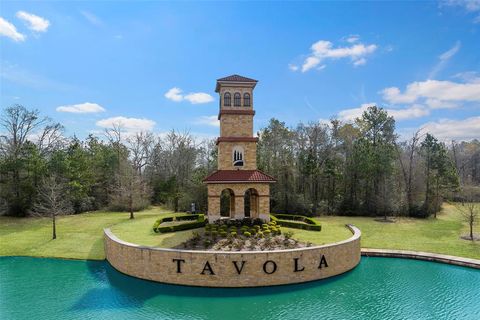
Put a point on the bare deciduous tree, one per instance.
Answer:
(130, 191)
(470, 212)
(52, 200)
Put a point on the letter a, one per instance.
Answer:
(208, 268)
(323, 262)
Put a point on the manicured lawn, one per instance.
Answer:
(81, 236)
(441, 235)
(78, 236)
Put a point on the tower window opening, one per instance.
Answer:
(238, 157)
(237, 99)
(227, 99)
(246, 100)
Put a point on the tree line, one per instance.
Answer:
(358, 168)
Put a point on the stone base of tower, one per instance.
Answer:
(257, 195)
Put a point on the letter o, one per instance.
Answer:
(269, 262)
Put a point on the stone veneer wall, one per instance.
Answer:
(233, 269)
(225, 155)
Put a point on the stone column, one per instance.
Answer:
(239, 207)
(264, 210)
(213, 208)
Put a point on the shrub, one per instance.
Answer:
(291, 221)
(233, 234)
(223, 234)
(288, 235)
(207, 242)
(247, 234)
(267, 232)
(198, 220)
(260, 234)
(214, 234)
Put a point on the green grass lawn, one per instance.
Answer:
(81, 236)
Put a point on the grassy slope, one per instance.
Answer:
(80, 236)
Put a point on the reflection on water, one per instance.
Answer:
(379, 288)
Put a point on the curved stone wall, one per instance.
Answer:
(233, 269)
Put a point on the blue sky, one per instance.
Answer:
(91, 64)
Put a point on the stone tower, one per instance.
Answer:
(245, 188)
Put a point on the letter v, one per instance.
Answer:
(239, 270)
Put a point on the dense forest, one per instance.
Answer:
(358, 168)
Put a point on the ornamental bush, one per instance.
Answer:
(292, 221)
(267, 232)
(197, 221)
(247, 234)
(233, 234)
(223, 234)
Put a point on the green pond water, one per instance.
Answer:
(379, 288)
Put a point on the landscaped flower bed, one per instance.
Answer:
(238, 235)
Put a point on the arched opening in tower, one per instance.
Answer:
(227, 203)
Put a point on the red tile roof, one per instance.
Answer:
(236, 77)
(239, 176)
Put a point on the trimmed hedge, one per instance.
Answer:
(198, 220)
(290, 221)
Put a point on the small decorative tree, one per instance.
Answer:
(52, 200)
(470, 212)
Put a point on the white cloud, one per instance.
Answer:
(451, 52)
(33, 22)
(8, 30)
(468, 76)
(443, 60)
(433, 89)
(127, 124)
(471, 6)
(293, 67)
(414, 111)
(175, 94)
(208, 120)
(360, 62)
(439, 104)
(323, 50)
(198, 97)
(93, 19)
(353, 38)
(447, 129)
(351, 114)
(86, 107)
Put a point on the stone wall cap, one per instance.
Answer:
(356, 235)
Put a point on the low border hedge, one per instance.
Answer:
(198, 220)
(290, 221)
